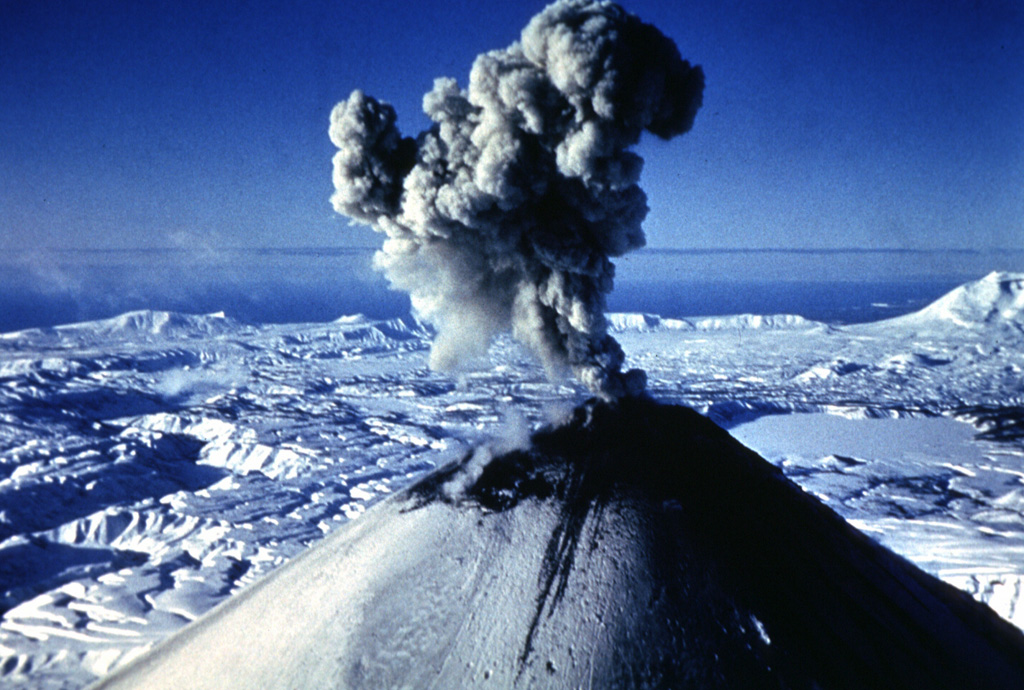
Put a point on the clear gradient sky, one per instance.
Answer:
(861, 123)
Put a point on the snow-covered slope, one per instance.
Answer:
(997, 299)
(146, 476)
(132, 326)
(636, 546)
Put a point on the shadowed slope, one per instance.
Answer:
(636, 546)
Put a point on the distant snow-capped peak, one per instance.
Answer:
(155, 322)
(133, 325)
(996, 298)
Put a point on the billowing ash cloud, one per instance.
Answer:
(507, 211)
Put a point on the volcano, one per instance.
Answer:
(635, 545)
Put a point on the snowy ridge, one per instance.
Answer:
(996, 299)
(163, 323)
(619, 322)
(131, 326)
(408, 327)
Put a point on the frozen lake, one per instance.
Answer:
(928, 488)
(787, 439)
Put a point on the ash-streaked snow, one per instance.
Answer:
(153, 464)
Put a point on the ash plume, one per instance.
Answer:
(505, 214)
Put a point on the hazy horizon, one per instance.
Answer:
(887, 136)
(41, 288)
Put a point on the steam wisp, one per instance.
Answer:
(505, 214)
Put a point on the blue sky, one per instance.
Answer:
(204, 124)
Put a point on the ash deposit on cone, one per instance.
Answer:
(506, 213)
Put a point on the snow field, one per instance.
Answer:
(154, 464)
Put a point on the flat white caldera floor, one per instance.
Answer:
(927, 488)
(153, 464)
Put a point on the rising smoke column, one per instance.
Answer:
(507, 211)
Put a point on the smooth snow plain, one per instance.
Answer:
(155, 463)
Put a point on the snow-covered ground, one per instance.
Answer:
(154, 463)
